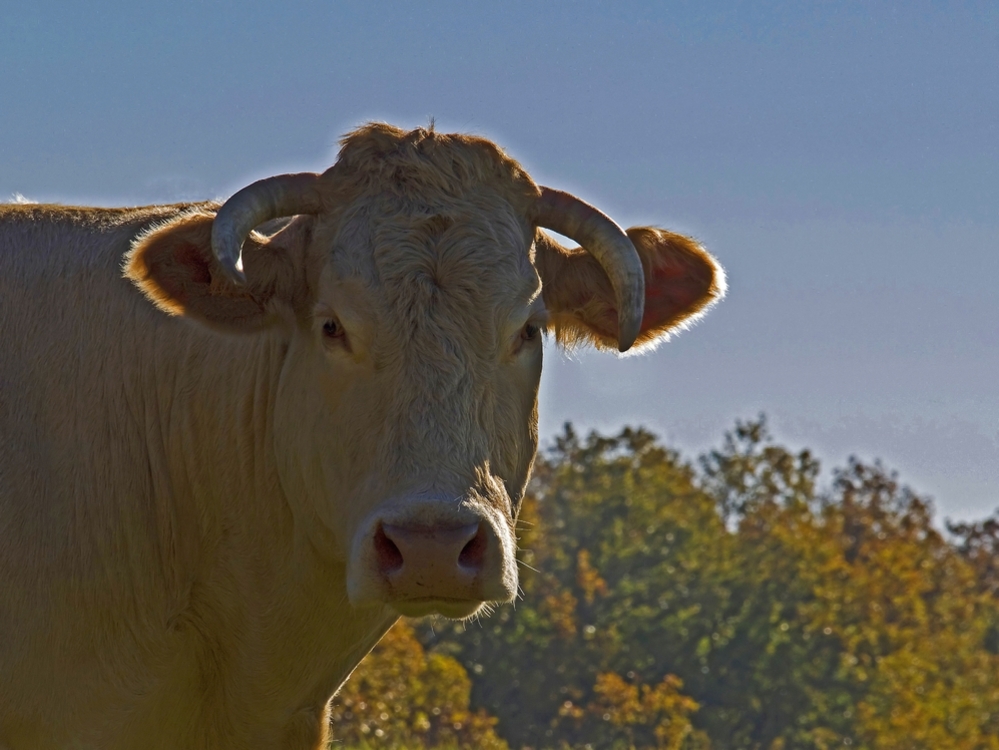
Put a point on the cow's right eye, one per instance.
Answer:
(334, 334)
(333, 331)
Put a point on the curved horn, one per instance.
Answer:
(606, 241)
(283, 195)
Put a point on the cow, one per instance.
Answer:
(238, 441)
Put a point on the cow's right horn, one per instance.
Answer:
(599, 235)
(271, 198)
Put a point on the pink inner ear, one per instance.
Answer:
(667, 294)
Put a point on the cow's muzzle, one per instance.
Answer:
(432, 558)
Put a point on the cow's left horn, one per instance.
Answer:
(272, 198)
(599, 235)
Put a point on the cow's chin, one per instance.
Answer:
(456, 609)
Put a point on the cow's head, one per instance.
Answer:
(410, 291)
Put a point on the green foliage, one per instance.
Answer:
(979, 545)
(403, 698)
(782, 617)
(728, 605)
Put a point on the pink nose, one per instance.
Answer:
(432, 562)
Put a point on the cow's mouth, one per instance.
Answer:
(456, 609)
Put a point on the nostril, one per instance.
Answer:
(389, 557)
(473, 554)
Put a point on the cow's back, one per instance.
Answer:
(74, 334)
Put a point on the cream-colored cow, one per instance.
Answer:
(216, 494)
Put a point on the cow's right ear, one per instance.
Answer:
(175, 268)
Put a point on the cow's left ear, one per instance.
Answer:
(681, 282)
(175, 268)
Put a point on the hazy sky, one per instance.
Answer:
(841, 160)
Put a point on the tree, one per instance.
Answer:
(671, 606)
(979, 545)
(624, 714)
(402, 697)
(624, 545)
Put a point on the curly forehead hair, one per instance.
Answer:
(425, 162)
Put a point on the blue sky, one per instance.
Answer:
(840, 159)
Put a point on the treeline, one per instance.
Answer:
(724, 604)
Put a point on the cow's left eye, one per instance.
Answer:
(530, 332)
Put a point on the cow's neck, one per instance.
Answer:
(249, 570)
(213, 406)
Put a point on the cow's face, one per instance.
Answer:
(418, 373)
(410, 305)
